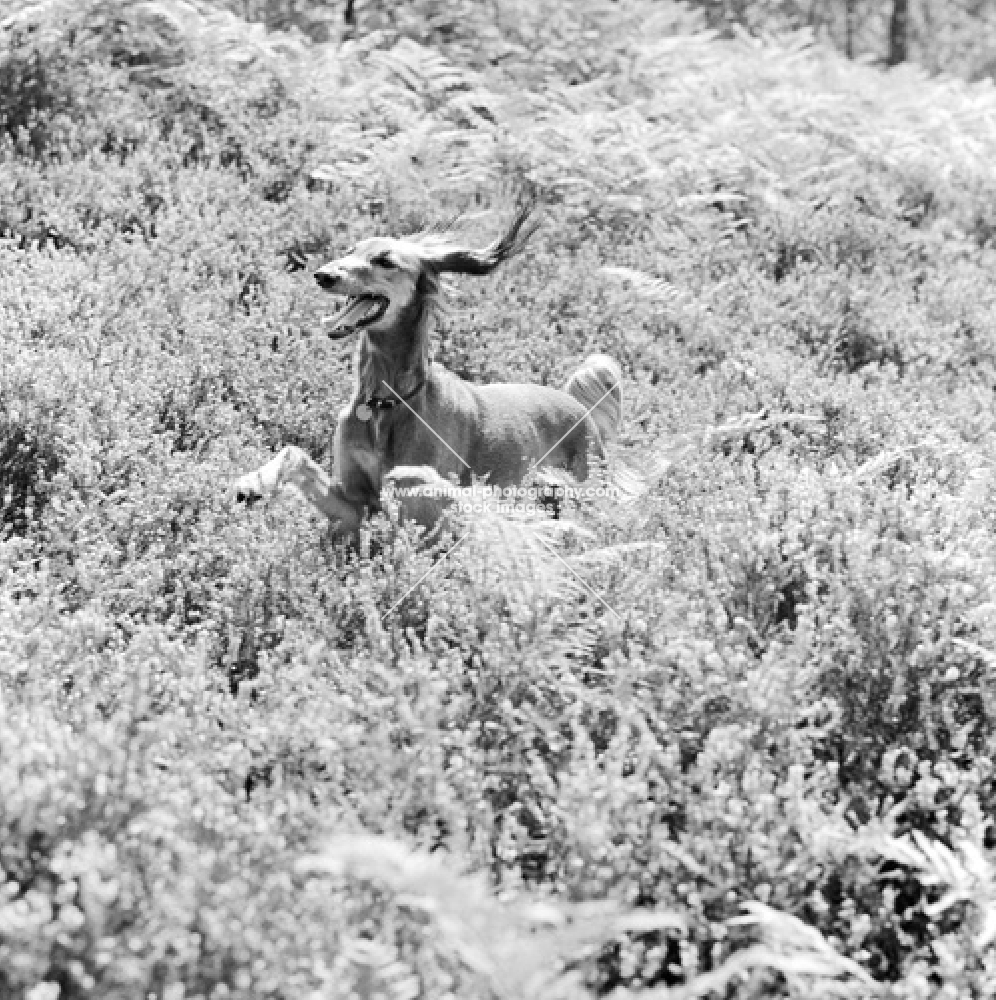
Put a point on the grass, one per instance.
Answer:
(750, 756)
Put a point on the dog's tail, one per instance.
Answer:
(597, 386)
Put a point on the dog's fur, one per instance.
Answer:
(418, 413)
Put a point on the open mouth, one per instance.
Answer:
(359, 311)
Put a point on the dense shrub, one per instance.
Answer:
(28, 461)
(737, 736)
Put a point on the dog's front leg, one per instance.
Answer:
(293, 467)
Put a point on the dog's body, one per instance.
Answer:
(407, 412)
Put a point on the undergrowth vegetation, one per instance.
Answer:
(734, 739)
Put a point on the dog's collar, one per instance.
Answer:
(365, 410)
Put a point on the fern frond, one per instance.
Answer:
(810, 965)
(518, 949)
(421, 69)
(966, 872)
(614, 554)
(644, 285)
(520, 552)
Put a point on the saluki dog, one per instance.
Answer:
(410, 420)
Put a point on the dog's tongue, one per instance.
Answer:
(354, 312)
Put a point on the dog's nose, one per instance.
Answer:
(326, 278)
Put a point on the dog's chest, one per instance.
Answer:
(378, 439)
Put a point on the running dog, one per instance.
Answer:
(410, 420)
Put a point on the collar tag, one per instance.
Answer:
(363, 412)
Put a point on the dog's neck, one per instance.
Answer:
(399, 355)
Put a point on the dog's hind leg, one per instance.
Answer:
(293, 467)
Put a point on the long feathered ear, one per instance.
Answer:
(442, 255)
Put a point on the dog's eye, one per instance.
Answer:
(382, 260)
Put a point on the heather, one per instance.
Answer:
(734, 739)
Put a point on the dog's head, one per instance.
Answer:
(379, 278)
(383, 278)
